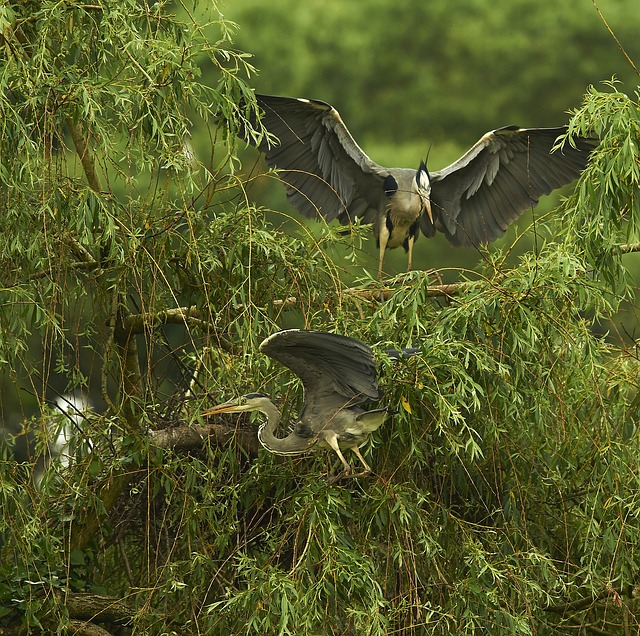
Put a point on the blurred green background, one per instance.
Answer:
(411, 76)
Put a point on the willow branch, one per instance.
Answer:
(87, 159)
(578, 604)
(139, 323)
(85, 528)
(451, 289)
(181, 439)
(187, 316)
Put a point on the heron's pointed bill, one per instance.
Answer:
(423, 181)
(234, 406)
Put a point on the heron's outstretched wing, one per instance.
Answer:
(477, 197)
(335, 370)
(324, 170)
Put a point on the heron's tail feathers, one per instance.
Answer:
(372, 420)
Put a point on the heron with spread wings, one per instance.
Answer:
(338, 374)
(472, 201)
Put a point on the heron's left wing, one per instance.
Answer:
(334, 369)
(477, 197)
(325, 172)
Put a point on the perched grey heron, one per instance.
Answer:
(472, 201)
(338, 374)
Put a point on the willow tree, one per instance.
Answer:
(135, 272)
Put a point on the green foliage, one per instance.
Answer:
(135, 270)
(612, 183)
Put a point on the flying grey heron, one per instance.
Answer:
(338, 374)
(472, 201)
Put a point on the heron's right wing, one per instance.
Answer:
(324, 170)
(335, 370)
(478, 196)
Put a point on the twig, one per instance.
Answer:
(628, 248)
(578, 604)
(613, 35)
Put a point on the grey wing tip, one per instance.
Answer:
(274, 337)
(315, 103)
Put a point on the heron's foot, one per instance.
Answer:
(347, 474)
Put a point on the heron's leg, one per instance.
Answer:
(410, 241)
(383, 239)
(332, 439)
(367, 468)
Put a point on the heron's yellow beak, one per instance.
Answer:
(427, 207)
(227, 407)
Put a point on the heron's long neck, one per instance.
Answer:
(292, 444)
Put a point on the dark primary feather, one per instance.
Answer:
(478, 196)
(324, 170)
(327, 364)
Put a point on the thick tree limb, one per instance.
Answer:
(96, 607)
(84, 611)
(192, 437)
(139, 323)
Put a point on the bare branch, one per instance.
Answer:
(193, 437)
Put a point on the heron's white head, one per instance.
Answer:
(423, 187)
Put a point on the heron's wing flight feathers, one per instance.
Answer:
(333, 368)
(478, 196)
(324, 170)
